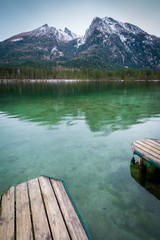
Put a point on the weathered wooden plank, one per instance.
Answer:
(23, 218)
(144, 144)
(156, 144)
(73, 223)
(57, 225)
(150, 144)
(146, 155)
(40, 223)
(147, 150)
(7, 216)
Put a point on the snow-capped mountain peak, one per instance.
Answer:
(107, 43)
(66, 35)
(46, 31)
(61, 35)
(45, 26)
(109, 25)
(43, 30)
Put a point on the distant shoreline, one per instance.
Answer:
(76, 80)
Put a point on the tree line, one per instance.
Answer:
(14, 72)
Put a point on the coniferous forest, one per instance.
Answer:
(38, 72)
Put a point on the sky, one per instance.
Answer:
(18, 16)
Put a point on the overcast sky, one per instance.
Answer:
(18, 16)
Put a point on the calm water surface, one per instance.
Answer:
(81, 132)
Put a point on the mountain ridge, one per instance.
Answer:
(50, 31)
(107, 43)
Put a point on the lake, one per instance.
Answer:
(81, 132)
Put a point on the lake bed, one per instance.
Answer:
(81, 132)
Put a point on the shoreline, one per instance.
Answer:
(76, 80)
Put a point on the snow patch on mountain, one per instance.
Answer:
(61, 54)
(17, 39)
(80, 41)
(55, 52)
(54, 49)
(63, 36)
(41, 48)
(123, 39)
(149, 37)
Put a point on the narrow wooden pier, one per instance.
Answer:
(148, 150)
(40, 209)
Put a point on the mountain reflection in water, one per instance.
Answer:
(105, 106)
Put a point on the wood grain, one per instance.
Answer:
(146, 155)
(73, 223)
(58, 228)
(40, 223)
(149, 147)
(23, 218)
(7, 216)
(147, 150)
(153, 143)
(44, 211)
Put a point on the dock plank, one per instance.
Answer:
(146, 156)
(7, 216)
(23, 218)
(144, 144)
(58, 228)
(154, 142)
(40, 209)
(145, 149)
(149, 143)
(73, 223)
(40, 223)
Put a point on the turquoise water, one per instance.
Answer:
(81, 132)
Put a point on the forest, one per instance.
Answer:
(24, 72)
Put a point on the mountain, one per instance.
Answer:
(44, 43)
(116, 44)
(46, 32)
(107, 43)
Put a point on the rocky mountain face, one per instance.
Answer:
(44, 43)
(107, 43)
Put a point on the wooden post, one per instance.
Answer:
(140, 162)
(142, 172)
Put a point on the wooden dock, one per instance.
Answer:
(40, 209)
(148, 150)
